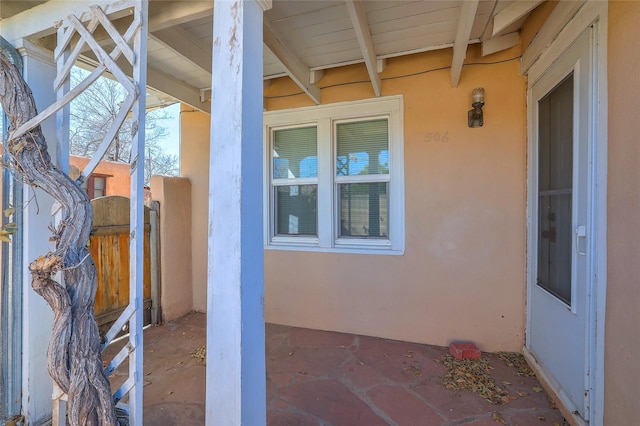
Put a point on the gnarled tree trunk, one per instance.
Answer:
(74, 354)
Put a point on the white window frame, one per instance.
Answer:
(275, 183)
(325, 118)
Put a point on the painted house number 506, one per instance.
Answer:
(437, 137)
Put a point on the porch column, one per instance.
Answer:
(37, 317)
(236, 387)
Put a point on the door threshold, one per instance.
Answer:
(555, 391)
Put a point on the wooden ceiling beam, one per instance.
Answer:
(361, 27)
(295, 68)
(499, 43)
(182, 43)
(512, 13)
(177, 89)
(165, 14)
(40, 20)
(160, 82)
(465, 24)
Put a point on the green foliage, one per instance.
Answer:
(8, 228)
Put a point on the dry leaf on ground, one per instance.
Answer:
(473, 375)
(200, 354)
(516, 360)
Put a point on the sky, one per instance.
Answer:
(171, 143)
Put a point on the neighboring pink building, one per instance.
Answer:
(109, 178)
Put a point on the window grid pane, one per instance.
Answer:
(296, 210)
(362, 148)
(99, 183)
(364, 210)
(295, 153)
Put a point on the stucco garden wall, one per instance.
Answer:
(174, 195)
(462, 274)
(194, 164)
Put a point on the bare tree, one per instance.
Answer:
(157, 162)
(74, 357)
(92, 114)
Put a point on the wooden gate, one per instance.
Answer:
(109, 246)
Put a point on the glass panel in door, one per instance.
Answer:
(555, 183)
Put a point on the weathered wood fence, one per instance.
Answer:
(109, 246)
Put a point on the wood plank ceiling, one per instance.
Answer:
(304, 38)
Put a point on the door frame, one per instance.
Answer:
(592, 13)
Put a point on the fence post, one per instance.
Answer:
(154, 243)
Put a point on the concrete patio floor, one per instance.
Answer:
(332, 379)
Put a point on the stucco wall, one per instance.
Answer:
(194, 164)
(622, 338)
(462, 274)
(174, 195)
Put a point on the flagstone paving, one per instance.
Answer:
(319, 378)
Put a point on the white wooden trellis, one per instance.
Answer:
(74, 37)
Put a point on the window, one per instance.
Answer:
(334, 177)
(95, 186)
(362, 177)
(295, 181)
(99, 184)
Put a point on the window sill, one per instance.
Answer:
(351, 249)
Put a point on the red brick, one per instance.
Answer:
(464, 350)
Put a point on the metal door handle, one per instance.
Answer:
(581, 233)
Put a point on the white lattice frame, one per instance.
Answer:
(133, 46)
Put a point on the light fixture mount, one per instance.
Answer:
(475, 115)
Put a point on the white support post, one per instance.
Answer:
(63, 116)
(136, 240)
(37, 388)
(236, 386)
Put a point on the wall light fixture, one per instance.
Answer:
(476, 118)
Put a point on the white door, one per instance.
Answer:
(558, 313)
